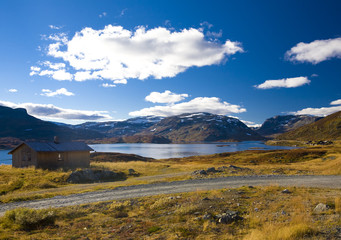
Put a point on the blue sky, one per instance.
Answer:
(75, 61)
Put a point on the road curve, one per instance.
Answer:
(326, 181)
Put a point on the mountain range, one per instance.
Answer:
(185, 128)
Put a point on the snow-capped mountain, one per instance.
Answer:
(202, 127)
(127, 127)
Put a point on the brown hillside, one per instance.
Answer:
(328, 128)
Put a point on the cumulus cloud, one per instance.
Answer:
(201, 104)
(59, 75)
(115, 53)
(336, 102)
(165, 97)
(56, 71)
(284, 83)
(13, 90)
(51, 111)
(316, 51)
(55, 27)
(58, 92)
(108, 85)
(323, 111)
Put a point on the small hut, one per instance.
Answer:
(51, 155)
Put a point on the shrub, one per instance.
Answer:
(153, 229)
(28, 219)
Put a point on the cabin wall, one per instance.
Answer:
(55, 160)
(24, 156)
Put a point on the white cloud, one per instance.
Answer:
(51, 111)
(116, 53)
(123, 12)
(323, 111)
(13, 90)
(55, 27)
(121, 81)
(108, 85)
(284, 83)
(336, 102)
(54, 66)
(58, 92)
(59, 75)
(103, 14)
(316, 51)
(201, 104)
(251, 124)
(165, 97)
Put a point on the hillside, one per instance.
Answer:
(16, 123)
(328, 128)
(202, 127)
(280, 124)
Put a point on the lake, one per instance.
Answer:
(159, 151)
(5, 158)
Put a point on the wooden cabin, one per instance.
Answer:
(51, 155)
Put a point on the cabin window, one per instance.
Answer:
(60, 157)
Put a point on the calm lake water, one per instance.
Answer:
(5, 158)
(159, 151)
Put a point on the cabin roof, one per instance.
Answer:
(56, 147)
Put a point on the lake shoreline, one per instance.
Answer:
(171, 150)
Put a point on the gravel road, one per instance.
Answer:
(178, 187)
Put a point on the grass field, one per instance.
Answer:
(24, 184)
(264, 213)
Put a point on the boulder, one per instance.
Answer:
(90, 176)
(321, 207)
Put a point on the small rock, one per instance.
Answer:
(222, 169)
(178, 197)
(235, 167)
(251, 187)
(207, 216)
(211, 170)
(171, 198)
(286, 191)
(132, 172)
(283, 212)
(238, 204)
(199, 172)
(205, 199)
(228, 217)
(321, 207)
(196, 213)
(256, 209)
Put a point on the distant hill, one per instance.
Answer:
(16, 123)
(280, 124)
(327, 128)
(202, 127)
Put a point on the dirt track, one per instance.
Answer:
(178, 187)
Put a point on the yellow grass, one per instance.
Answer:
(180, 217)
